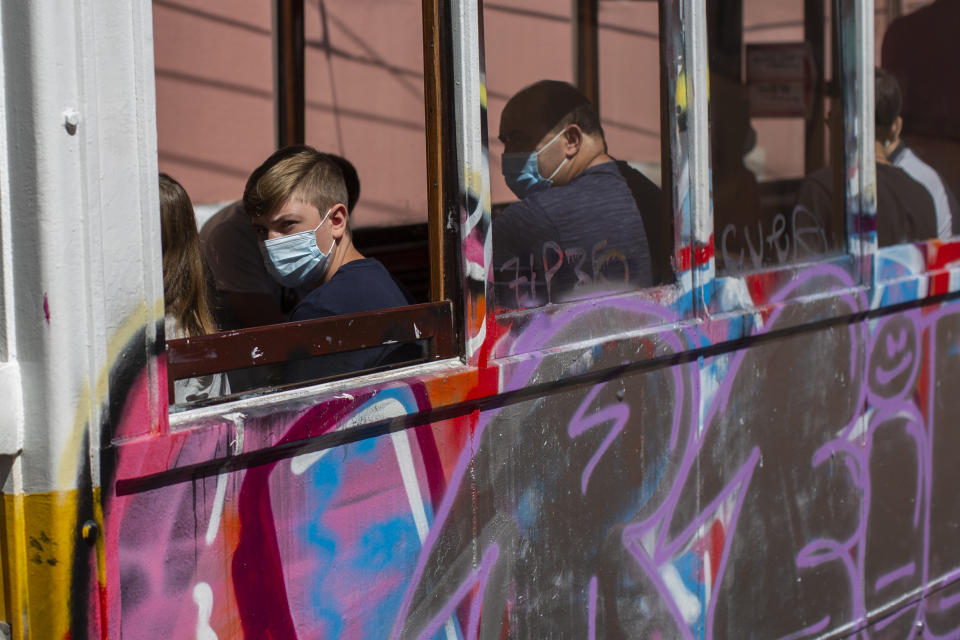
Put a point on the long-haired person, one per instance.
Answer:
(185, 293)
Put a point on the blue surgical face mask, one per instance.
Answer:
(296, 260)
(522, 172)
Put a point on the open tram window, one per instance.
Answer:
(317, 255)
(575, 150)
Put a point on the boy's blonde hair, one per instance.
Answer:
(302, 173)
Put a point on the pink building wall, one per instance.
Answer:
(214, 93)
(364, 89)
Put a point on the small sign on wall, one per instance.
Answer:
(781, 80)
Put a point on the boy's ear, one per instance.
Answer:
(338, 219)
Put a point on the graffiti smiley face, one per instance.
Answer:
(894, 358)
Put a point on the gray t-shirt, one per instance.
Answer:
(578, 240)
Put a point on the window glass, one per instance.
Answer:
(777, 187)
(306, 242)
(574, 131)
(364, 95)
(918, 113)
(214, 79)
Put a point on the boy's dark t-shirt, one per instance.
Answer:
(571, 241)
(356, 287)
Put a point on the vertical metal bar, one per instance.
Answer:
(667, 116)
(289, 80)
(862, 46)
(842, 81)
(814, 27)
(469, 99)
(698, 141)
(586, 51)
(433, 103)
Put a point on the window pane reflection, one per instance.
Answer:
(777, 190)
(577, 206)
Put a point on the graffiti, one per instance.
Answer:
(687, 500)
(803, 238)
(607, 268)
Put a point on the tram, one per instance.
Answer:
(758, 446)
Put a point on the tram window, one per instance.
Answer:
(575, 150)
(917, 49)
(364, 101)
(777, 178)
(300, 241)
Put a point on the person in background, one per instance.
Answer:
(922, 51)
(298, 203)
(188, 310)
(577, 230)
(889, 106)
(246, 295)
(905, 210)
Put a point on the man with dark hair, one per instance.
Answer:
(889, 123)
(577, 230)
(905, 210)
(298, 203)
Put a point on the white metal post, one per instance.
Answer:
(81, 265)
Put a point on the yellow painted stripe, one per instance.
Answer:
(140, 317)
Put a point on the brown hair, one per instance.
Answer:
(299, 172)
(888, 101)
(184, 285)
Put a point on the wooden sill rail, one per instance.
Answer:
(430, 323)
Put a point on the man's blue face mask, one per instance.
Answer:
(522, 172)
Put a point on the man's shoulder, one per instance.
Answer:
(601, 183)
(917, 168)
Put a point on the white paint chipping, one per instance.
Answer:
(299, 464)
(213, 526)
(236, 448)
(409, 474)
(203, 597)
